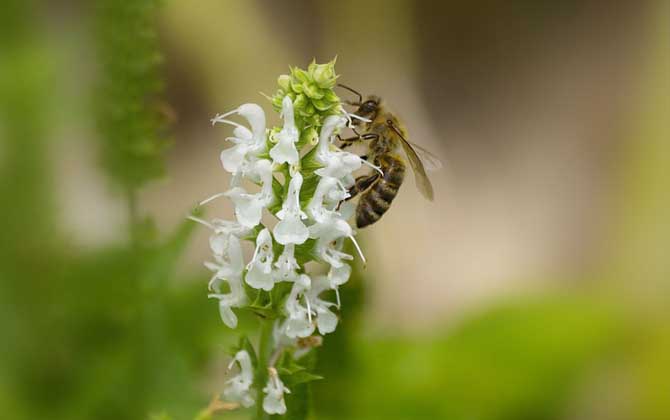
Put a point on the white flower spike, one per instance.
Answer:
(269, 181)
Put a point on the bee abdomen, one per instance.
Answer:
(377, 200)
(365, 214)
(394, 171)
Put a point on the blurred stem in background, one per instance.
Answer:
(131, 113)
(26, 73)
(27, 237)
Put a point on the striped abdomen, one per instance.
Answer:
(377, 200)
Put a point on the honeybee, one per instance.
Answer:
(385, 136)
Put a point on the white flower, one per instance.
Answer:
(328, 244)
(238, 389)
(329, 192)
(285, 151)
(219, 243)
(249, 207)
(337, 164)
(274, 403)
(286, 264)
(326, 321)
(248, 143)
(291, 229)
(229, 270)
(299, 322)
(234, 158)
(259, 269)
(337, 276)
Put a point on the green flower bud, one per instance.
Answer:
(312, 91)
(324, 75)
(300, 102)
(322, 105)
(300, 75)
(330, 96)
(308, 110)
(311, 68)
(284, 82)
(296, 86)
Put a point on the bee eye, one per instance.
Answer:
(369, 106)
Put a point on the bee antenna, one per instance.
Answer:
(360, 97)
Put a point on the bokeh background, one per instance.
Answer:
(534, 287)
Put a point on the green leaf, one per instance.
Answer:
(279, 294)
(301, 377)
(305, 251)
(308, 189)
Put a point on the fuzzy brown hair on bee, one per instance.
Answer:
(384, 137)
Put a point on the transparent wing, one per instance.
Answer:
(422, 181)
(430, 161)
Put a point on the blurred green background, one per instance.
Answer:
(535, 286)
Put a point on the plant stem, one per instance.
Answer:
(264, 351)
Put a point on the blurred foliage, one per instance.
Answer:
(519, 361)
(108, 333)
(131, 113)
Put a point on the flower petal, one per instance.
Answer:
(291, 230)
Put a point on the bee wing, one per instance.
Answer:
(422, 181)
(430, 161)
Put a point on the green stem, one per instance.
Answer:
(264, 351)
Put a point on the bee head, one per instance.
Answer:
(368, 108)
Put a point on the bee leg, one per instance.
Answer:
(347, 142)
(362, 183)
(351, 140)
